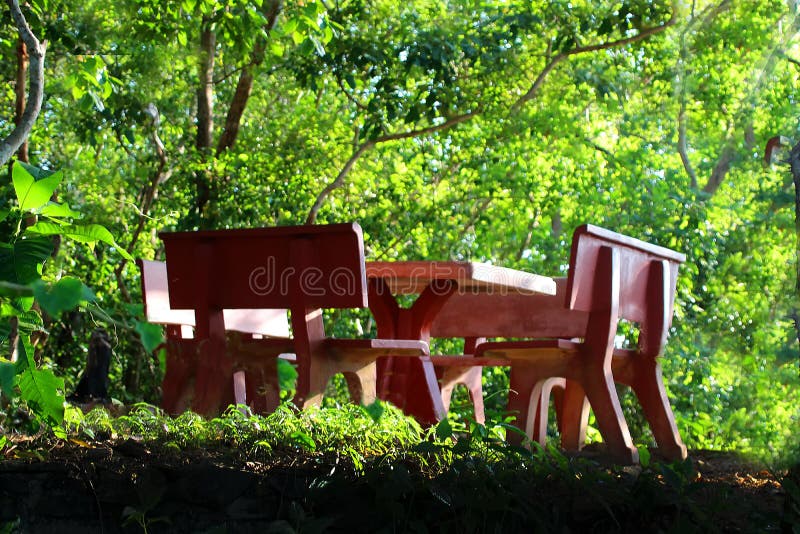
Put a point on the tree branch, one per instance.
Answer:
(338, 182)
(148, 195)
(244, 86)
(367, 145)
(33, 106)
(22, 74)
(745, 111)
(558, 58)
(529, 95)
(683, 145)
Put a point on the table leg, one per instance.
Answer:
(409, 383)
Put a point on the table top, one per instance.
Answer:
(412, 277)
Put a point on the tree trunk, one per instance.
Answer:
(36, 51)
(245, 85)
(205, 114)
(794, 162)
(22, 74)
(22, 155)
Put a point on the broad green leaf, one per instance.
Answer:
(298, 37)
(289, 26)
(4, 214)
(89, 234)
(41, 389)
(444, 430)
(32, 192)
(276, 48)
(304, 440)
(7, 375)
(21, 263)
(53, 209)
(64, 295)
(28, 321)
(152, 335)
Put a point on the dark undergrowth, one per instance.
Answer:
(356, 469)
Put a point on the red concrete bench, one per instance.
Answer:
(245, 330)
(300, 268)
(611, 276)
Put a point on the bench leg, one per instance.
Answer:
(524, 401)
(598, 383)
(573, 417)
(471, 378)
(648, 384)
(360, 373)
(361, 382)
(177, 386)
(552, 387)
(214, 371)
(261, 385)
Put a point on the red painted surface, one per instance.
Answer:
(300, 268)
(610, 277)
(251, 336)
(412, 383)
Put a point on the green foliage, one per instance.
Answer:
(25, 248)
(42, 390)
(350, 430)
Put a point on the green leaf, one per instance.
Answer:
(33, 186)
(53, 209)
(444, 430)
(21, 263)
(644, 455)
(89, 234)
(7, 374)
(375, 410)
(41, 389)
(304, 440)
(298, 37)
(287, 375)
(4, 214)
(152, 335)
(64, 295)
(276, 48)
(28, 321)
(289, 26)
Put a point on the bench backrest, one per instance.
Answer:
(314, 266)
(646, 277)
(635, 260)
(645, 296)
(155, 295)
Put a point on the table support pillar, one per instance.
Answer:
(409, 382)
